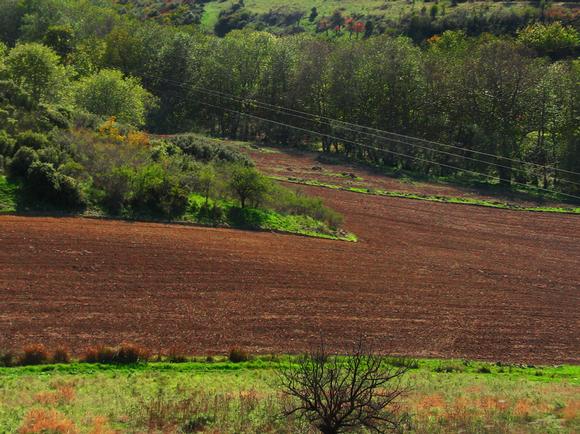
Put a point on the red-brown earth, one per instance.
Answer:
(425, 279)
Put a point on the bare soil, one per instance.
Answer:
(425, 279)
(288, 163)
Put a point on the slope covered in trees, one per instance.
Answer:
(504, 108)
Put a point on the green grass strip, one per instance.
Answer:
(429, 198)
(450, 367)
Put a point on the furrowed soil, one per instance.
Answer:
(425, 279)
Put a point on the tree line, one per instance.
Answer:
(505, 107)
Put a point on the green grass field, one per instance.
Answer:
(381, 9)
(446, 396)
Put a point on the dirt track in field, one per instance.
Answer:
(426, 279)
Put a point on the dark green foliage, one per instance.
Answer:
(249, 186)
(60, 39)
(234, 18)
(50, 187)
(55, 117)
(444, 87)
(297, 203)
(32, 140)
(42, 181)
(156, 192)
(206, 150)
(69, 194)
(115, 188)
(6, 144)
(249, 218)
(21, 162)
(52, 155)
(213, 213)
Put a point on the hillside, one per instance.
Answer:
(417, 18)
(253, 216)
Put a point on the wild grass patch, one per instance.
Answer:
(431, 198)
(242, 397)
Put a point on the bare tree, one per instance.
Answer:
(337, 394)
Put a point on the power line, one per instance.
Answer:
(382, 150)
(413, 144)
(330, 120)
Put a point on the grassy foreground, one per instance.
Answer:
(447, 396)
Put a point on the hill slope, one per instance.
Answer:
(375, 16)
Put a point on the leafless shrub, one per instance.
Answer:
(337, 394)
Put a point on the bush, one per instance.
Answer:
(249, 218)
(116, 188)
(42, 181)
(53, 188)
(175, 356)
(237, 355)
(206, 150)
(40, 420)
(249, 186)
(297, 203)
(59, 118)
(53, 155)
(403, 362)
(156, 192)
(100, 354)
(32, 140)
(7, 359)
(60, 355)
(70, 195)
(74, 170)
(6, 144)
(337, 394)
(129, 354)
(126, 354)
(23, 159)
(449, 367)
(213, 213)
(33, 355)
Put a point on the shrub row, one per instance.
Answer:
(205, 150)
(125, 354)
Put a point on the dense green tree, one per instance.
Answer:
(498, 85)
(554, 40)
(37, 69)
(60, 39)
(22, 160)
(109, 93)
(10, 20)
(249, 186)
(477, 93)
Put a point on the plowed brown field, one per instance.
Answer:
(425, 279)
